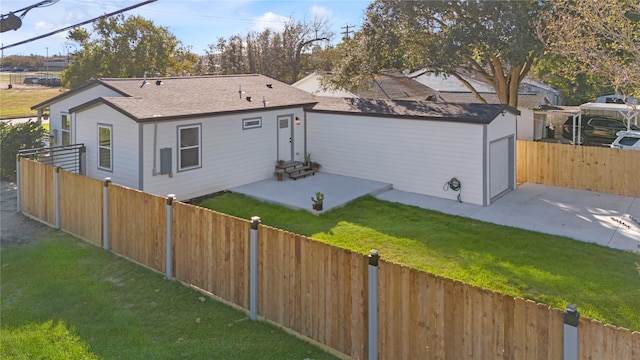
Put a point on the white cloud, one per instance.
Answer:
(321, 12)
(269, 20)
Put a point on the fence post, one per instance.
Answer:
(571, 316)
(253, 269)
(105, 213)
(56, 185)
(169, 245)
(373, 304)
(17, 182)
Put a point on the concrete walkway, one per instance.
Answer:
(608, 220)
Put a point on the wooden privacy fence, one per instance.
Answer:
(612, 171)
(338, 298)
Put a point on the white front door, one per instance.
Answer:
(285, 138)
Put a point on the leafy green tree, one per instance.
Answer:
(577, 87)
(496, 39)
(596, 37)
(26, 135)
(123, 48)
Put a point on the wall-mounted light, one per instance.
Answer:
(297, 120)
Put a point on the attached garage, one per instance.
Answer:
(417, 146)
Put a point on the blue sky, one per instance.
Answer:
(196, 23)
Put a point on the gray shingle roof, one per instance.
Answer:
(525, 101)
(193, 96)
(426, 110)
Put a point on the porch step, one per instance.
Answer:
(302, 173)
(296, 169)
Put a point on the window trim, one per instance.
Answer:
(110, 147)
(247, 120)
(180, 148)
(64, 131)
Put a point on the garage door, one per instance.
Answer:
(499, 177)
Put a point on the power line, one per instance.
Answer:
(346, 32)
(79, 24)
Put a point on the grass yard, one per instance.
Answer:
(17, 102)
(65, 299)
(603, 282)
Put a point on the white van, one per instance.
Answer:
(629, 140)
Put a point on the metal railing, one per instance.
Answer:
(68, 157)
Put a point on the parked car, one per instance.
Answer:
(629, 140)
(595, 129)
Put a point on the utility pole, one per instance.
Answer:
(346, 32)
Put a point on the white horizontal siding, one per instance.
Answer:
(231, 156)
(414, 155)
(125, 144)
(62, 107)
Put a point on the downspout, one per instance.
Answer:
(155, 150)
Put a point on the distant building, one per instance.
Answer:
(57, 64)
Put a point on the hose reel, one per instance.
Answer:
(455, 185)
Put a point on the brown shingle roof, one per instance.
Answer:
(395, 87)
(425, 110)
(192, 96)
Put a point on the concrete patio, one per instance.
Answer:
(608, 220)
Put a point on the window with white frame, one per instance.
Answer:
(105, 147)
(189, 154)
(66, 130)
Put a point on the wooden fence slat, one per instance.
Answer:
(580, 167)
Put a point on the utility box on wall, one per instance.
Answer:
(165, 161)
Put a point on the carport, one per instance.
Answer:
(629, 114)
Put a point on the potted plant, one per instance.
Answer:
(279, 174)
(307, 159)
(315, 166)
(280, 162)
(318, 201)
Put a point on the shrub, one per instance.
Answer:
(43, 341)
(26, 135)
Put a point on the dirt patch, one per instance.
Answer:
(16, 228)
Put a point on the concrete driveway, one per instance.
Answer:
(608, 220)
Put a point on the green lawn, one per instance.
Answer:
(65, 299)
(18, 102)
(604, 283)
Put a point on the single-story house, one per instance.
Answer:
(193, 136)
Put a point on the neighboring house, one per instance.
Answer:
(392, 86)
(531, 86)
(440, 88)
(449, 83)
(194, 136)
(446, 82)
(528, 127)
